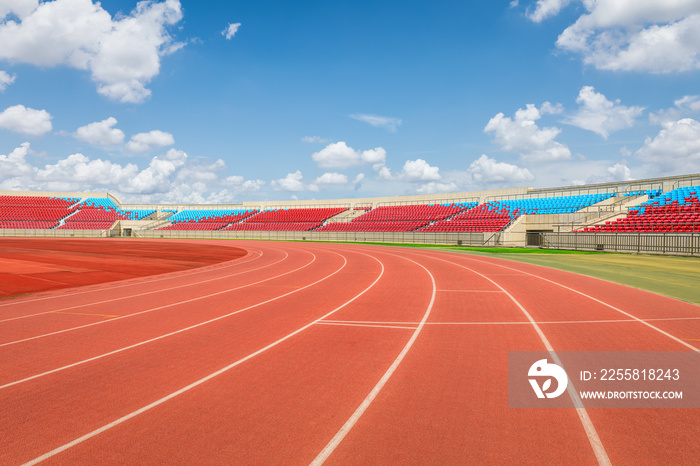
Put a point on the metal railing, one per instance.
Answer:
(466, 239)
(687, 244)
(687, 182)
(649, 227)
(9, 232)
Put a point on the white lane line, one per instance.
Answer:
(202, 380)
(517, 322)
(593, 438)
(673, 318)
(645, 322)
(340, 435)
(169, 276)
(136, 345)
(471, 291)
(131, 296)
(354, 324)
(414, 324)
(156, 308)
(522, 322)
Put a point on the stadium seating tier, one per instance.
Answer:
(674, 211)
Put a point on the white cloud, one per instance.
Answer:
(636, 35)
(388, 123)
(78, 172)
(384, 173)
(336, 155)
(434, 187)
(15, 163)
(675, 150)
(169, 177)
(78, 169)
(197, 192)
(618, 172)
(102, 133)
(293, 182)
(19, 8)
(74, 173)
(144, 142)
(486, 170)
(551, 109)
(689, 102)
(24, 120)
(521, 134)
(546, 8)
(340, 155)
(684, 106)
(5, 80)
(419, 170)
(598, 114)
(157, 177)
(201, 171)
(230, 30)
(314, 140)
(412, 171)
(376, 156)
(199, 183)
(332, 178)
(122, 54)
(240, 185)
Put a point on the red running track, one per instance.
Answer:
(42, 264)
(350, 354)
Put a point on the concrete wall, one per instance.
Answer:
(472, 239)
(54, 233)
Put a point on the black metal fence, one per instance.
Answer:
(687, 244)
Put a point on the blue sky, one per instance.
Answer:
(184, 101)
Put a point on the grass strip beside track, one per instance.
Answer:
(676, 277)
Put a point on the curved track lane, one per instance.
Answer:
(345, 354)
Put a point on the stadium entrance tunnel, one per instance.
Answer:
(534, 237)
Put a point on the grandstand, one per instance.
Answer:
(97, 213)
(397, 218)
(571, 217)
(206, 219)
(299, 219)
(674, 211)
(272, 226)
(33, 212)
(488, 217)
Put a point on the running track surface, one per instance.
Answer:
(43, 264)
(300, 353)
